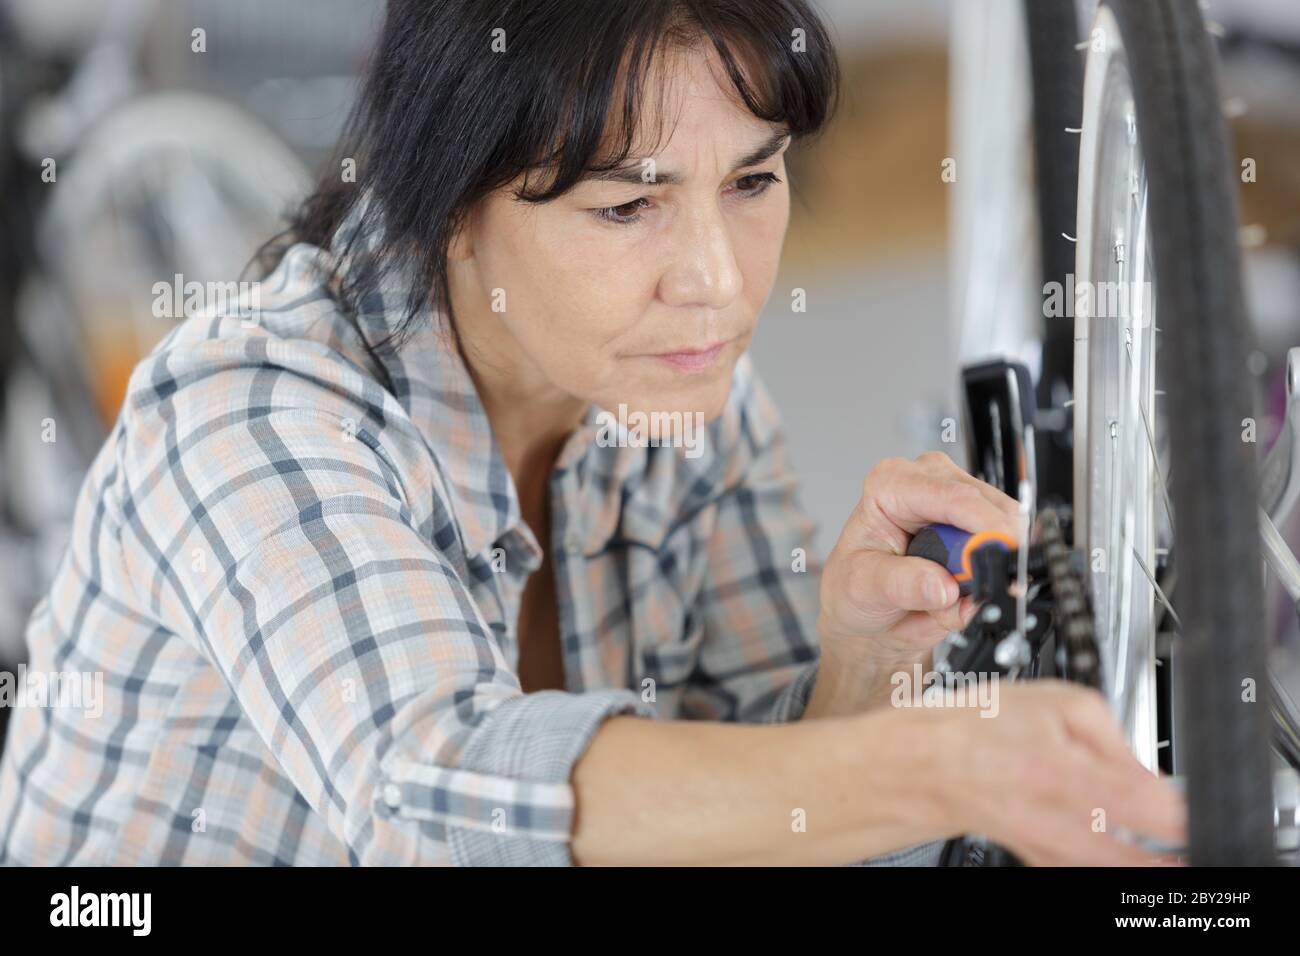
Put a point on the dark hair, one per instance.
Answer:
(442, 120)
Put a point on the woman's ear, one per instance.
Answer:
(461, 246)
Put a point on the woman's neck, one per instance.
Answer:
(531, 419)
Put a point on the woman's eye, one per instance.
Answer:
(756, 183)
(623, 215)
(628, 213)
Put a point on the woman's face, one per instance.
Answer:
(628, 291)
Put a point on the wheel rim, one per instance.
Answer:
(1122, 518)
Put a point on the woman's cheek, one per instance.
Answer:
(580, 332)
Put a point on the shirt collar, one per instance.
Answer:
(436, 389)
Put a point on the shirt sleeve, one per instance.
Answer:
(275, 526)
(760, 598)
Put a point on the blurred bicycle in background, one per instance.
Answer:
(140, 142)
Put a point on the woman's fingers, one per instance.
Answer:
(940, 465)
(872, 585)
(1089, 719)
(916, 633)
(910, 496)
(1053, 780)
(1141, 802)
(955, 618)
(1069, 844)
(1132, 796)
(882, 582)
(1100, 804)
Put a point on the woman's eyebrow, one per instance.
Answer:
(632, 172)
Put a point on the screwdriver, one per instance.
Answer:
(952, 547)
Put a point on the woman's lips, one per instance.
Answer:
(692, 360)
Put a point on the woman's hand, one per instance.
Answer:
(1048, 775)
(881, 610)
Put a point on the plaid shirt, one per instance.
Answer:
(301, 592)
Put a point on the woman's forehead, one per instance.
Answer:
(686, 100)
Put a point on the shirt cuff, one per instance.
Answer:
(791, 703)
(511, 802)
(922, 854)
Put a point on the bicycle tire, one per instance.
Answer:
(1224, 733)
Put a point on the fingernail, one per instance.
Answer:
(936, 592)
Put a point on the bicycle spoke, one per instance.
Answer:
(1162, 485)
(1160, 594)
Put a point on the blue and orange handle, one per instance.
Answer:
(952, 547)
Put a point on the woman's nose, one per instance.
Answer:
(703, 270)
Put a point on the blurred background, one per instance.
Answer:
(145, 138)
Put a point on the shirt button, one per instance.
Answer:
(573, 543)
(393, 795)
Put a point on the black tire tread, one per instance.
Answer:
(1203, 347)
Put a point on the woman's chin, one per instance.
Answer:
(698, 396)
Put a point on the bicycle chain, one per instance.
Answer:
(1076, 638)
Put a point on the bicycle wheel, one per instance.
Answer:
(1161, 393)
(157, 189)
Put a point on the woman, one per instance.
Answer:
(372, 579)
